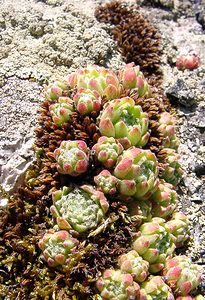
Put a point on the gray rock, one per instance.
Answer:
(180, 93)
(200, 16)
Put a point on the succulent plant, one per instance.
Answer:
(155, 289)
(164, 200)
(102, 80)
(56, 90)
(172, 172)
(115, 285)
(132, 78)
(61, 111)
(179, 227)
(125, 121)
(87, 101)
(81, 209)
(167, 130)
(72, 157)
(154, 243)
(106, 182)
(107, 151)
(137, 172)
(57, 247)
(181, 275)
(140, 211)
(198, 297)
(133, 264)
(190, 62)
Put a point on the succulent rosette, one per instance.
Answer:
(137, 172)
(167, 130)
(189, 62)
(172, 172)
(155, 289)
(182, 275)
(132, 78)
(107, 151)
(72, 157)
(115, 285)
(100, 79)
(135, 265)
(106, 182)
(61, 111)
(79, 208)
(164, 200)
(57, 247)
(140, 211)
(57, 89)
(154, 243)
(179, 227)
(87, 101)
(125, 121)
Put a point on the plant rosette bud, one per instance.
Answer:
(107, 151)
(179, 227)
(87, 101)
(172, 171)
(181, 275)
(189, 62)
(106, 182)
(132, 78)
(81, 209)
(115, 285)
(167, 130)
(61, 111)
(57, 89)
(154, 243)
(164, 200)
(57, 247)
(155, 289)
(133, 264)
(102, 80)
(125, 121)
(137, 171)
(72, 157)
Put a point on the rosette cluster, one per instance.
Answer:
(125, 121)
(113, 176)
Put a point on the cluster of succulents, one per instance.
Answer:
(57, 247)
(181, 274)
(72, 157)
(96, 78)
(87, 101)
(61, 110)
(119, 168)
(116, 285)
(137, 172)
(107, 151)
(155, 289)
(134, 264)
(125, 121)
(172, 172)
(80, 208)
(179, 227)
(167, 130)
(132, 78)
(155, 243)
(164, 200)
